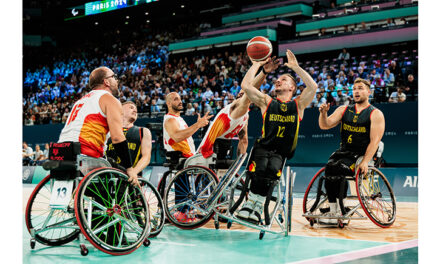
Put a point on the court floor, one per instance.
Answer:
(360, 241)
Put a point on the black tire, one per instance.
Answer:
(37, 210)
(163, 184)
(376, 197)
(155, 207)
(261, 235)
(311, 203)
(191, 200)
(289, 204)
(119, 216)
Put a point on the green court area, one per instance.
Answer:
(203, 245)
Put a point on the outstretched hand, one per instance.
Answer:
(291, 60)
(203, 121)
(271, 64)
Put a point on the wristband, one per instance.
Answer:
(123, 153)
(264, 71)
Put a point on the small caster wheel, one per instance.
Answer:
(340, 224)
(217, 225)
(32, 243)
(261, 235)
(84, 250)
(312, 222)
(147, 242)
(229, 224)
(280, 217)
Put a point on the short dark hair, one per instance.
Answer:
(97, 77)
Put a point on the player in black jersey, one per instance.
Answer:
(138, 140)
(281, 118)
(362, 128)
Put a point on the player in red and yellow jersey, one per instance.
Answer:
(177, 136)
(96, 114)
(232, 120)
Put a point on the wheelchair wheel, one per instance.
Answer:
(38, 212)
(376, 197)
(186, 197)
(289, 205)
(155, 207)
(315, 196)
(112, 214)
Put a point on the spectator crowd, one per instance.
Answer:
(207, 82)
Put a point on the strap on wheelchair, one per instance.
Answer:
(115, 164)
(224, 163)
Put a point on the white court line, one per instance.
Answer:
(362, 253)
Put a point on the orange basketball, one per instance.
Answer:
(259, 48)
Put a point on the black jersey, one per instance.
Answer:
(134, 137)
(355, 129)
(280, 127)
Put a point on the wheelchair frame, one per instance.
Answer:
(91, 168)
(215, 207)
(309, 213)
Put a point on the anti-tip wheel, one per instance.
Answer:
(280, 217)
(229, 224)
(33, 244)
(340, 224)
(84, 250)
(261, 235)
(147, 242)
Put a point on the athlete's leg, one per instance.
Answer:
(265, 169)
(340, 165)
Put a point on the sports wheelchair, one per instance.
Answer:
(84, 197)
(197, 192)
(175, 161)
(371, 192)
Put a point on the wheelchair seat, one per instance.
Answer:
(173, 159)
(223, 164)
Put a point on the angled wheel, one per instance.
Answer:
(112, 214)
(315, 196)
(186, 197)
(376, 197)
(52, 227)
(155, 207)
